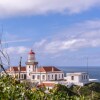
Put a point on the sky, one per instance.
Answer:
(60, 32)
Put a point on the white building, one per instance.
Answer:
(34, 73)
(46, 75)
(14, 71)
(78, 78)
(31, 64)
(49, 73)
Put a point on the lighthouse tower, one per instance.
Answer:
(31, 57)
(31, 64)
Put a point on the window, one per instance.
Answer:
(59, 75)
(38, 76)
(33, 76)
(43, 77)
(52, 76)
(62, 75)
(21, 76)
(29, 74)
(72, 77)
(48, 77)
(84, 76)
(24, 76)
(55, 76)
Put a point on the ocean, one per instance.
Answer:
(94, 72)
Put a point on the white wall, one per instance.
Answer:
(59, 76)
(31, 57)
(84, 78)
(29, 69)
(22, 75)
(40, 76)
(78, 79)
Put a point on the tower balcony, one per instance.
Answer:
(31, 63)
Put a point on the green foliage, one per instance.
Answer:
(94, 86)
(63, 90)
(11, 89)
(90, 91)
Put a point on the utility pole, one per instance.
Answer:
(20, 67)
(40, 74)
(3, 68)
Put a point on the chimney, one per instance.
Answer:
(10, 68)
(52, 69)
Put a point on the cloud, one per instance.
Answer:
(17, 50)
(14, 41)
(11, 55)
(39, 44)
(81, 35)
(33, 7)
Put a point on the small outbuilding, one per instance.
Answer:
(78, 78)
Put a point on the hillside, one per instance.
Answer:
(11, 89)
(91, 90)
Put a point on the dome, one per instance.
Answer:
(31, 52)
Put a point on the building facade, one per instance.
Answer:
(78, 78)
(14, 71)
(33, 72)
(47, 73)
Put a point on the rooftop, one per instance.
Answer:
(46, 84)
(77, 73)
(15, 68)
(31, 52)
(48, 69)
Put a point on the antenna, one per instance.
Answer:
(2, 53)
(87, 65)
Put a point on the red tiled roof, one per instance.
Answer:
(15, 68)
(46, 84)
(23, 68)
(47, 69)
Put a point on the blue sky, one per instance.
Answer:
(61, 32)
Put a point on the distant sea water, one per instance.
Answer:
(94, 72)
